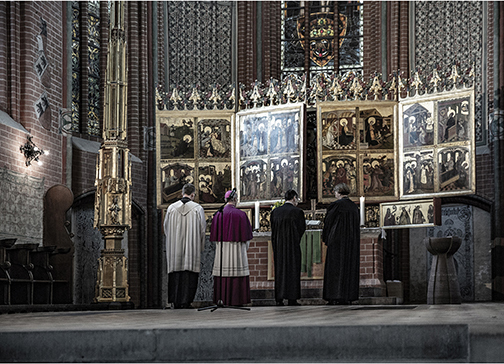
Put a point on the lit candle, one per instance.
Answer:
(256, 210)
(362, 210)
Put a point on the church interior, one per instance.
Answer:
(100, 127)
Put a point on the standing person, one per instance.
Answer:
(231, 226)
(341, 234)
(184, 227)
(287, 227)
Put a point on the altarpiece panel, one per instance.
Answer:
(193, 147)
(407, 214)
(356, 146)
(436, 150)
(269, 154)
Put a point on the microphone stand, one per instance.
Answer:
(220, 303)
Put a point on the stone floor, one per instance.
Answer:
(309, 333)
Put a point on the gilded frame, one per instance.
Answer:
(199, 141)
(269, 153)
(355, 143)
(407, 214)
(437, 150)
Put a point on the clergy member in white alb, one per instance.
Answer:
(184, 227)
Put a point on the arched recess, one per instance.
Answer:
(88, 244)
(468, 217)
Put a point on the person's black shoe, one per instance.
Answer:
(294, 303)
(279, 303)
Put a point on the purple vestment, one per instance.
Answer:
(235, 225)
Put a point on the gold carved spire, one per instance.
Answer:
(113, 169)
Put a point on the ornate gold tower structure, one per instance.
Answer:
(112, 214)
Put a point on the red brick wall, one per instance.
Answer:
(21, 87)
(372, 38)
(258, 262)
(83, 171)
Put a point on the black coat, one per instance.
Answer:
(341, 234)
(287, 227)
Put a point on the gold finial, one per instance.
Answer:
(289, 90)
(376, 87)
(195, 96)
(435, 79)
(175, 97)
(256, 95)
(454, 74)
(416, 80)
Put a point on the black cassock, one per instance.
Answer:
(287, 227)
(341, 234)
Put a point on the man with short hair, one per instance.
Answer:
(184, 227)
(287, 227)
(341, 234)
(231, 228)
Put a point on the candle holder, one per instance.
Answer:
(31, 151)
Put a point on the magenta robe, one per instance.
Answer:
(233, 228)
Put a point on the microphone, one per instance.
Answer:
(232, 194)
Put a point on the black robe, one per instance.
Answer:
(341, 234)
(287, 227)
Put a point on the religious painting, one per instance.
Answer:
(254, 135)
(453, 120)
(214, 179)
(174, 176)
(193, 146)
(372, 216)
(264, 220)
(283, 129)
(284, 175)
(209, 215)
(269, 152)
(409, 214)
(214, 138)
(378, 174)
(356, 144)
(176, 137)
(378, 124)
(418, 124)
(339, 130)
(339, 169)
(436, 150)
(418, 176)
(253, 180)
(454, 166)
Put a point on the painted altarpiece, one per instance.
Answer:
(356, 146)
(193, 147)
(436, 150)
(269, 152)
(407, 214)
